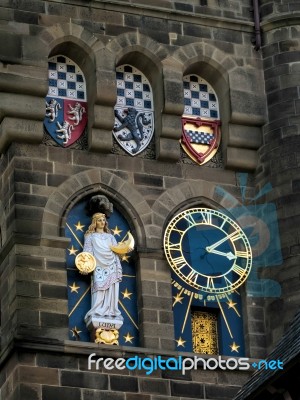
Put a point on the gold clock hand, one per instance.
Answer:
(234, 235)
(229, 255)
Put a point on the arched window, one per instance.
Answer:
(79, 286)
(134, 110)
(201, 133)
(66, 102)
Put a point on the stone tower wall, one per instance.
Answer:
(279, 155)
(41, 182)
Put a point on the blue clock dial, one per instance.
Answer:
(208, 250)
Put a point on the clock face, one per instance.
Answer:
(208, 250)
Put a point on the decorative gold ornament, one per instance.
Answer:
(79, 227)
(75, 333)
(205, 333)
(180, 342)
(74, 288)
(128, 338)
(235, 347)
(107, 336)
(85, 262)
(124, 247)
(72, 251)
(126, 294)
(116, 231)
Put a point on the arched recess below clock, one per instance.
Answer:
(210, 257)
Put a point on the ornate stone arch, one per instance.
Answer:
(90, 182)
(241, 99)
(185, 195)
(82, 47)
(147, 56)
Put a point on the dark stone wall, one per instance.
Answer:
(279, 155)
(40, 182)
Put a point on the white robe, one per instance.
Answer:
(106, 276)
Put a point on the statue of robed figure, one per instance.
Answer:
(101, 255)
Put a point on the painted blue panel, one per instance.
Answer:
(79, 298)
(230, 321)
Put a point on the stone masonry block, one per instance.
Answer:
(55, 392)
(54, 291)
(148, 316)
(52, 306)
(41, 275)
(242, 159)
(54, 320)
(157, 303)
(123, 383)
(148, 180)
(148, 287)
(103, 117)
(10, 47)
(220, 392)
(169, 168)
(247, 108)
(163, 331)
(25, 79)
(41, 375)
(187, 389)
(166, 317)
(89, 380)
(173, 97)
(100, 140)
(106, 89)
(156, 386)
(29, 318)
(29, 391)
(171, 126)
(244, 136)
(138, 396)
(22, 106)
(25, 288)
(56, 360)
(20, 130)
(103, 395)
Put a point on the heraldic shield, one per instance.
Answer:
(201, 133)
(66, 106)
(134, 115)
(200, 138)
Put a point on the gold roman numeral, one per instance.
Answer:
(190, 219)
(207, 217)
(243, 254)
(236, 235)
(238, 270)
(192, 276)
(174, 246)
(210, 283)
(179, 262)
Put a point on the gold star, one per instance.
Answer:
(72, 251)
(128, 338)
(74, 288)
(231, 304)
(125, 258)
(180, 342)
(177, 299)
(234, 347)
(126, 294)
(116, 231)
(75, 333)
(79, 227)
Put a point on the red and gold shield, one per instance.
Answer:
(200, 138)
